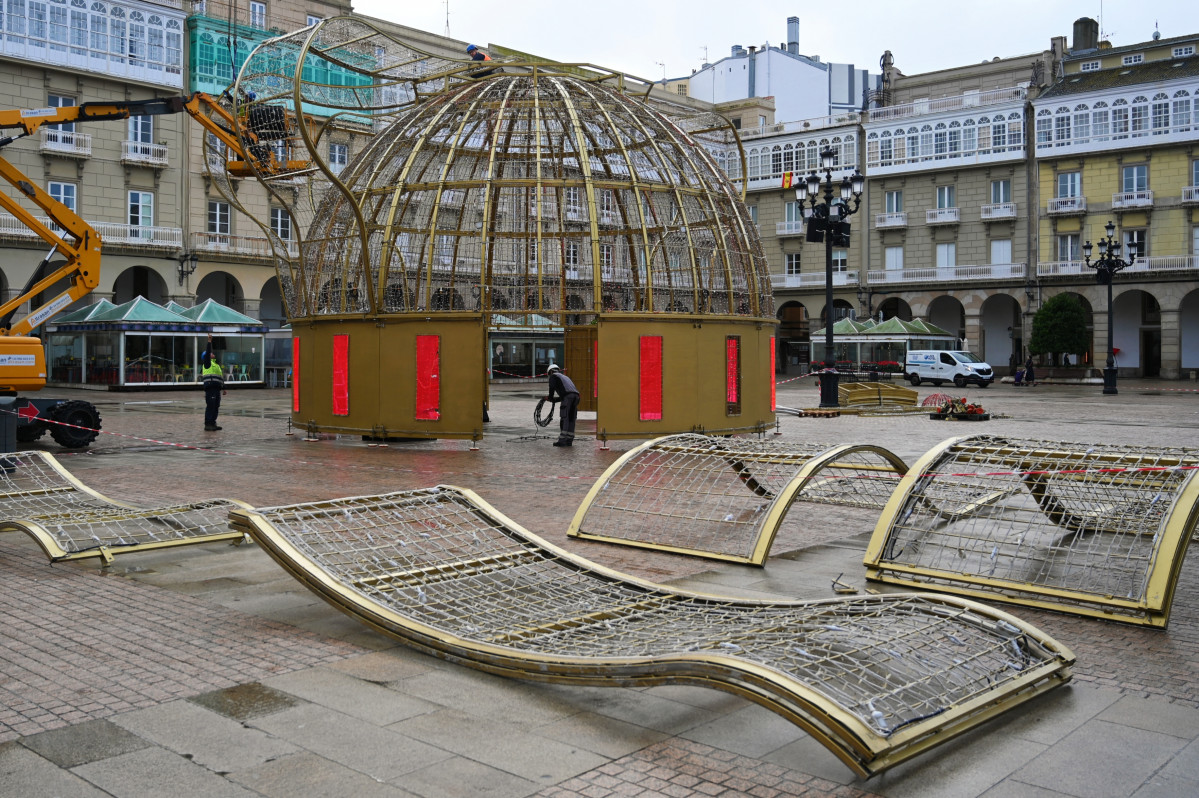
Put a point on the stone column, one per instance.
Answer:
(1171, 345)
(250, 307)
(973, 329)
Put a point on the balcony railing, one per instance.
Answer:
(883, 220)
(140, 152)
(948, 274)
(1163, 264)
(941, 104)
(802, 125)
(1190, 194)
(943, 215)
(218, 244)
(1132, 199)
(999, 211)
(62, 142)
(788, 228)
(111, 233)
(816, 279)
(1067, 206)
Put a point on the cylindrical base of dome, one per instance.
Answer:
(393, 377)
(668, 373)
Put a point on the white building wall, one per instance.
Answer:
(799, 87)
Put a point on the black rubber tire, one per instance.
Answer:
(30, 432)
(914, 379)
(80, 414)
(959, 381)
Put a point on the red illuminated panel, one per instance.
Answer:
(295, 375)
(341, 375)
(428, 377)
(732, 369)
(773, 366)
(651, 378)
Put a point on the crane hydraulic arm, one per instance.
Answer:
(71, 238)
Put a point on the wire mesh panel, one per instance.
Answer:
(1093, 529)
(71, 521)
(876, 679)
(725, 498)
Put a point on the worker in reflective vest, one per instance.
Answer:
(478, 55)
(214, 386)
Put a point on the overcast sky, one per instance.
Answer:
(644, 37)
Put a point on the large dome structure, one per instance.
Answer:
(546, 195)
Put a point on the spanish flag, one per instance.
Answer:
(787, 179)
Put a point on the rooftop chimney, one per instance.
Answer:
(738, 50)
(793, 35)
(1086, 34)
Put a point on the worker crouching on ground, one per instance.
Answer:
(214, 386)
(562, 385)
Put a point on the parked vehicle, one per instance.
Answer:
(940, 366)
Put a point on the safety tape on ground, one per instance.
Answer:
(927, 475)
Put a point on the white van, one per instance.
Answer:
(940, 365)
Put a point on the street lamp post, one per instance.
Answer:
(1106, 265)
(829, 223)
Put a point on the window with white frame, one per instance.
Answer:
(1136, 243)
(1183, 52)
(142, 210)
(946, 197)
(1001, 250)
(281, 223)
(63, 192)
(947, 255)
(1195, 240)
(1090, 66)
(893, 201)
(572, 202)
(1001, 191)
(1135, 58)
(218, 217)
(339, 156)
(793, 213)
(893, 258)
(606, 261)
(1195, 172)
(753, 210)
(258, 15)
(312, 20)
(141, 129)
(1069, 184)
(840, 260)
(1134, 178)
(58, 101)
(1068, 247)
(570, 260)
(792, 263)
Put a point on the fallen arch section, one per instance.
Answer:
(70, 521)
(876, 679)
(1092, 529)
(725, 498)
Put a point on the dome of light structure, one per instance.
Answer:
(537, 193)
(542, 202)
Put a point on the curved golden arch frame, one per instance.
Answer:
(1090, 529)
(875, 679)
(726, 498)
(71, 521)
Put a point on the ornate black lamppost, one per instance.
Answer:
(1106, 265)
(829, 223)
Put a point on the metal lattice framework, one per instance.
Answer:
(70, 521)
(726, 498)
(548, 189)
(876, 679)
(1092, 529)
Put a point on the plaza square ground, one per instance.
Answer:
(207, 671)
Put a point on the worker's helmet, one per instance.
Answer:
(470, 48)
(553, 367)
